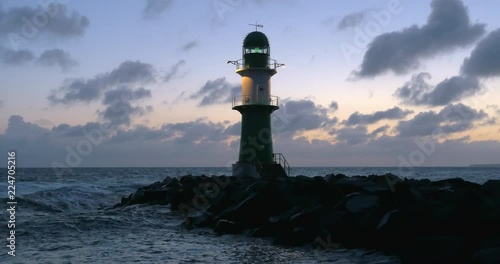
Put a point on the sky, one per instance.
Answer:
(146, 83)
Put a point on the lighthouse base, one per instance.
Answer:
(241, 169)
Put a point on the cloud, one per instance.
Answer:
(218, 91)
(448, 27)
(20, 131)
(52, 18)
(294, 116)
(204, 143)
(196, 131)
(154, 8)
(351, 20)
(190, 45)
(352, 135)
(175, 144)
(379, 130)
(233, 129)
(419, 92)
(300, 115)
(366, 119)
(451, 119)
(1, 104)
(87, 90)
(119, 108)
(126, 94)
(174, 70)
(334, 106)
(484, 60)
(15, 57)
(482, 63)
(57, 57)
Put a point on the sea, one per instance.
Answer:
(66, 217)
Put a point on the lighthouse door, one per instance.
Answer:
(261, 94)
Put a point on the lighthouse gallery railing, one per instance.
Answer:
(271, 64)
(248, 100)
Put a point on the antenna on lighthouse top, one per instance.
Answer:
(256, 26)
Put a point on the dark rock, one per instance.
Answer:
(357, 203)
(296, 237)
(332, 178)
(227, 227)
(307, 218)
(419, 220)
(486, 256)
(434, 249)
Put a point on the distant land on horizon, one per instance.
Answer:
(485, 165)
(128, 167)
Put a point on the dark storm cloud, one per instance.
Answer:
(218, 91)
(366, 119)
(154, 8)
(351, 20)
(419, 92)
(174, 70)
(190, 45)
(57, 57)
(119, 105)
(87, 90)
(51, 17)
(448, 27)
(15, 57)
(451, 119)
(484, 60)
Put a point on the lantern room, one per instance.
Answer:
(256, 50)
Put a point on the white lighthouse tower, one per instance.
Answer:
(256, 104)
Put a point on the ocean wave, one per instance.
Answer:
(74, 198)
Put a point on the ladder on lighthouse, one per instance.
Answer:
(280, 167)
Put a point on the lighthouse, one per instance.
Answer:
(256, 104)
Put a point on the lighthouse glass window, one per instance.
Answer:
(255, 50)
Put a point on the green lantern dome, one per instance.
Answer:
(256, 50)
(256, 39)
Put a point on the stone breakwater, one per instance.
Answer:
(420, 221)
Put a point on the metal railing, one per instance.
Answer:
(259, 167)
(248, 100)
(279, 158)
(271, 64)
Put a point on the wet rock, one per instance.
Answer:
(486, 256)
(296, 237)
(357, 203)
(227, 227)
(419, 220)
(308, 217)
